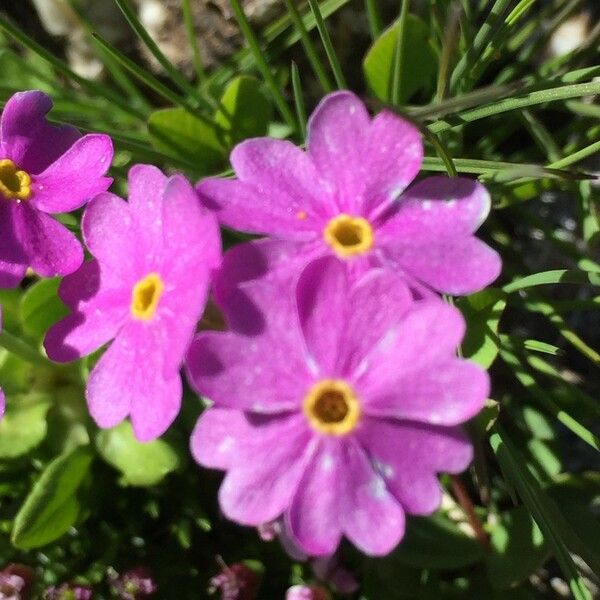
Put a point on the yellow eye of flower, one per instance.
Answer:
(332, 407)
(14, 183)
(349, 236)
(146, 296)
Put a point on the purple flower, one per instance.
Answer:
(16, 581)
(347, 196)
(68, 591)
(237, 582)
(307, 592)
(146, 287)
(44, 170)
(337, 413)
(134, 584)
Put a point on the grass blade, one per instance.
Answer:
(178, 79)
(531, 99)
(552, 277)
(375, 23)
(394, 94)
(552, 524)
(299, 100)
(262, 64)
(326, 40)
(193, 40)
(309, 47)
(90, 86)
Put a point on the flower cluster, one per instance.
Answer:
(337, 395)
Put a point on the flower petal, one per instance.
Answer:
(231, 370)
(146, 185)
(313, 518)
(370, 516)
(50, 247)
(192, 244)
(457, 266)
(260, 274)
(75, 177)
(260, 484)
(322, 304)
(26, 136)
(445, 393)
(369, 321)
(393, 157)
(409, 455)
(111, 235)
(429, 236)
(436, 208)
(428, 333)
(98, 316)
(278, 191)
(216, 439)
(128, 380)
(13, 260)
(337, 132)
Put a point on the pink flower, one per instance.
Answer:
(44, 170)
(307, 592)
(347, 196)
(146, 287)
(337, 412)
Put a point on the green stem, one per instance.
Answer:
(18, 347)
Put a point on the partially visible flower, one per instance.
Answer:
(236, 582)
(329, 569)
(44, 169)
(146, 287)
(307, 592)
(347, 197)
(68, 591)
(16, 581)
(135, 584)
(336, 412)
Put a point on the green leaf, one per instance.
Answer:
(419, 62)
(518, 548)
(244, 110)
(578, 497)
(437, 543)
(141, 464)
(23, 426)
(40, 307)
(181, 135)
(482, 312)
(52, 506)
(552, 277)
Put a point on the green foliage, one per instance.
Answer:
(23, 426)
(52, 505)
(40, 307)
(418, 62)
(140, 464)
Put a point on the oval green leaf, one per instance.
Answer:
(52, 506)
(141, 464)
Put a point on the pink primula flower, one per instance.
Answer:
(348, 196)
(44, 170)
(146, 287)
(337, 410)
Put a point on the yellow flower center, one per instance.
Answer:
(332, 407)
(146, 296)
(348, 235)
(14, 183)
